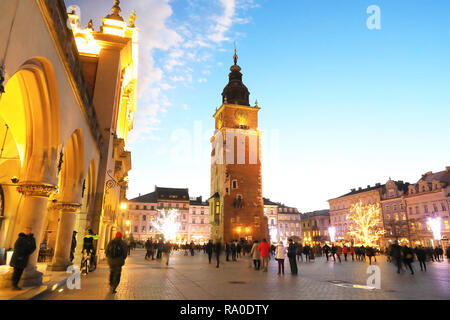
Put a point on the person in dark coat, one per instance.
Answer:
(149, 247)
(209, 250)
(396, 254)
(238, 250)
(422, 257)
(326, 249)
(228, 250)
(233, 251)
(218, 250)
(192, 248)
(306, 252)
(117, 253)
(299, 251)
(408, 257)
(292, 252)
(73, 246)
(24, 246)
(370, 252)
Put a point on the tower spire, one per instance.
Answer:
(235, 57)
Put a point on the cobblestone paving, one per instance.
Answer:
(192, 278)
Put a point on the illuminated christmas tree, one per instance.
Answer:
(365, 224)
(167, 223)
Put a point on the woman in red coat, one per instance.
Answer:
(345, 251)
(352, 252)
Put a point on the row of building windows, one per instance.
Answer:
(347, 206)
(425, 208)
(160, 206)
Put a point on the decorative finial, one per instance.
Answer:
(132, 19)
(235, 57)
(256, 103)
(91, 25)
(115, 11)
(116, 8)
(225, 100)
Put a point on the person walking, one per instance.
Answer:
(238, 249)
(339, 252)
(116, 253)
(233, 250)
(264, 248)
(228, 250)
(256, 255)
(148, 245)
(24, 246)
(363, 253)
(422, 257)
(408, 257)
(167, 248)
(73, 246)
(352, 252)
(299, 251)
(218, 250)
(371, 254)
(292, 251)
(209, 250)
(396, 254)
(281, 253)
(192, 248)
(306, 252)
(345, 252)
(326, 249)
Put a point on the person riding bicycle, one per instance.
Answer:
(88, 245)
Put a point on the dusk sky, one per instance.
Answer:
(342, 106)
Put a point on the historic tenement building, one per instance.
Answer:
(340, 208)
(405, 209)
(193, 215)
(395, 216)
(67, 106)
(315, 227)
(289, 223)
(271, 212)
(236, 202)
(427, 199)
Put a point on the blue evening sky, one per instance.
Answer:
(342, 106)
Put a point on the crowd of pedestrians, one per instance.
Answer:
(259, 252)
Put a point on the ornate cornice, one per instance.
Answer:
(67, 206)
(33, 189)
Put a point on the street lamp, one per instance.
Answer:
(123, 206)
(332, 233)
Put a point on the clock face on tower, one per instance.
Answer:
(241, 117)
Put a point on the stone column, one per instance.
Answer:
(61, 259)
(80, 227)
(53, 216)
(32, 216)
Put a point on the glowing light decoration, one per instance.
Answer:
(332, 233)
(273, 233)
(167, 223)
(365, 222)
(435, 225)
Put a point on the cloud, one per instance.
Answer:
(171, 44)
(223, 22)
